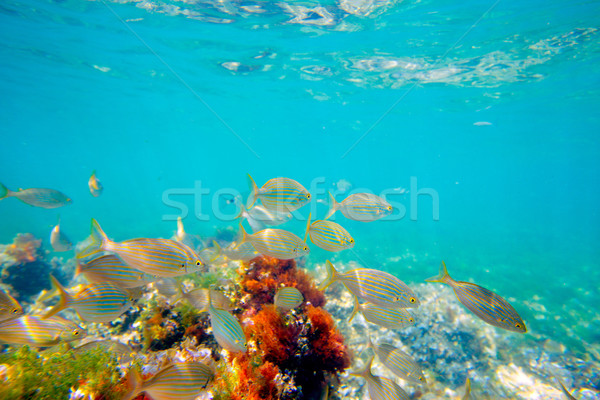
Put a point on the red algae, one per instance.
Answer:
(265, 275)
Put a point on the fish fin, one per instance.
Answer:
(442, 277)
(98, 240)
(365, 371)
(4, 192)
(253, 192)
(332, 276)
(307, 227)
(333, 206)
(467, 387)
(217, 252)
(243, 212)
(354, 309)
(563, 388)
(244, 237)
(64, 300)
(133, 383)
(78, 269)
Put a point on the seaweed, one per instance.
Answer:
(51, 376)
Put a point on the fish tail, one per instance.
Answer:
(217, 251)
(244, 234)
(4, 192)
(442, 277)
(98, 240)
(64, 300)
(253, 192)
(133, 383)
(333, 206)
(307, 227)
(332, 276)
(365, 371)
(354, 309)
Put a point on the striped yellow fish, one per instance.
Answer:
(485, 304)
(159, 257)
(387, 317)
(179, 381)
(110, 269)
(399, 362)
(44, 198)
(122, 350)
(363, 207)
(288, 298)
(467, 395)
(276, 243)
(281, 195)
(35, 331)
(9, 307)
(373, 286)
(380, 388)
(58, 240)
(96, 302)
(95, 186)
(329, 235)
(198, 298)
(227, 329)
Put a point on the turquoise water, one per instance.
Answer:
(491, 106)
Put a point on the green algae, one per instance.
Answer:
(50, 376)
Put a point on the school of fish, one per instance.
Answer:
(116, 271)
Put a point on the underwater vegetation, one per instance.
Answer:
(29, 374)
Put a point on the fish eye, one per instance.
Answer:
(14, 310)
(421, 379)
(351, 240)
(308, 196)
(389, 208)
(197, 262)
(305, 248)
(412, 300)
(411, 320)
(182, 265)
(76, 332)
(518, 325)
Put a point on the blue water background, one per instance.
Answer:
(496, 110)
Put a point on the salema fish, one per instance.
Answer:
(279, 194)
(373, 286)
(36, 331)
(485, 304)
(380, 388)
(160, 257)
(365, 207)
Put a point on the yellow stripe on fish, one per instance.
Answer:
(37, 197)
(288, 298)
(398, 361)
(110, 268)
(380, 388)
(279, 194)
(179, 381)
(35, 331)
(227, 329)
(387, 317)
(373, 286)
(159, 257)
(9, 307)
(485, 304)
(97, 302)
(329, 235)
(365, 207)
(276, 243)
